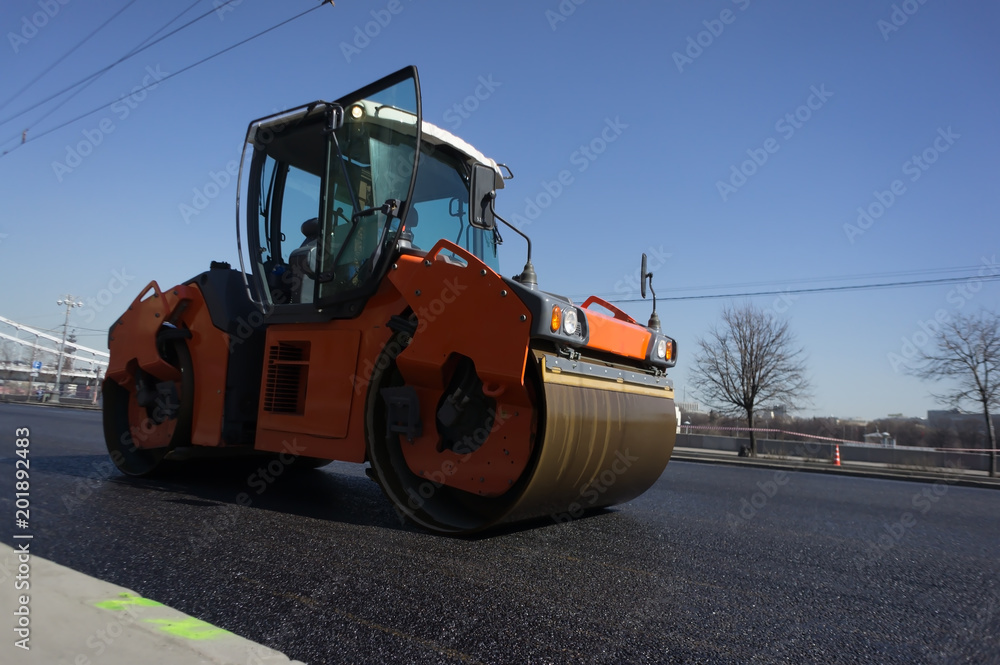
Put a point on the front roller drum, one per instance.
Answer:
(598, 442)
(605, 443)
(145, 418)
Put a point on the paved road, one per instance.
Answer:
(714, 564)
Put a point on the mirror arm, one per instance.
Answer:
(527, 277)
(654, 318)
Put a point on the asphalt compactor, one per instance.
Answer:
(369, 323)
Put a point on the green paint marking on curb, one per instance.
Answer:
(190, 628)
(125, 600)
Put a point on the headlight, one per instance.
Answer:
(661, 349)
(570, 321)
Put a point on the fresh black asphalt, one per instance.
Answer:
(715, 564)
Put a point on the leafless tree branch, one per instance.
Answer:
(966, 353)
(749, 361)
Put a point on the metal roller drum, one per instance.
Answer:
(604, 441)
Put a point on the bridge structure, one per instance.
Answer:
(30, 358)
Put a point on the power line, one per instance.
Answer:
(66, 55)
(165, 78)
(822, 289)
(812, 280)
(93, 80)
(803, 280)
(113, 64)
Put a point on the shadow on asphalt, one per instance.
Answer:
(322, 494)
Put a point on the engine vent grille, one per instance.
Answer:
(287, 376)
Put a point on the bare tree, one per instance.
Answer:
(750, 361)
(966, 353)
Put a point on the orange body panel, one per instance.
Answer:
(471, 312)
(467, 310)
(617, 336)
(132, 344)
(328, 418)
(132, 341)
(328, 363)
(209, 349)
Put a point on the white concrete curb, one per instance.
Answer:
(71, 618)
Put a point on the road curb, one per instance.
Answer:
(78, 619)
(49, 405)
(688, 455)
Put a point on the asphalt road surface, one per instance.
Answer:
(715, 564)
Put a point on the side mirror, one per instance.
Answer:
(481, 194)
(643, 274)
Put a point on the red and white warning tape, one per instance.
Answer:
(826, 438)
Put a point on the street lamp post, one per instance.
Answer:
(97, 384)
(69, 302)
(31, 376)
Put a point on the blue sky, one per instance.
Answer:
(733, 142)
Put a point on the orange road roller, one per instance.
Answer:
(369, 323)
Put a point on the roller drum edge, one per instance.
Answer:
(604, 443)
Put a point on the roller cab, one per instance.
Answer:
(368, 322)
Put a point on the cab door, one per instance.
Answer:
(329, 189)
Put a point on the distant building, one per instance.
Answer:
(880, 439)
(955, 420)
(689, 407)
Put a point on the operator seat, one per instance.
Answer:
(302, 261)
